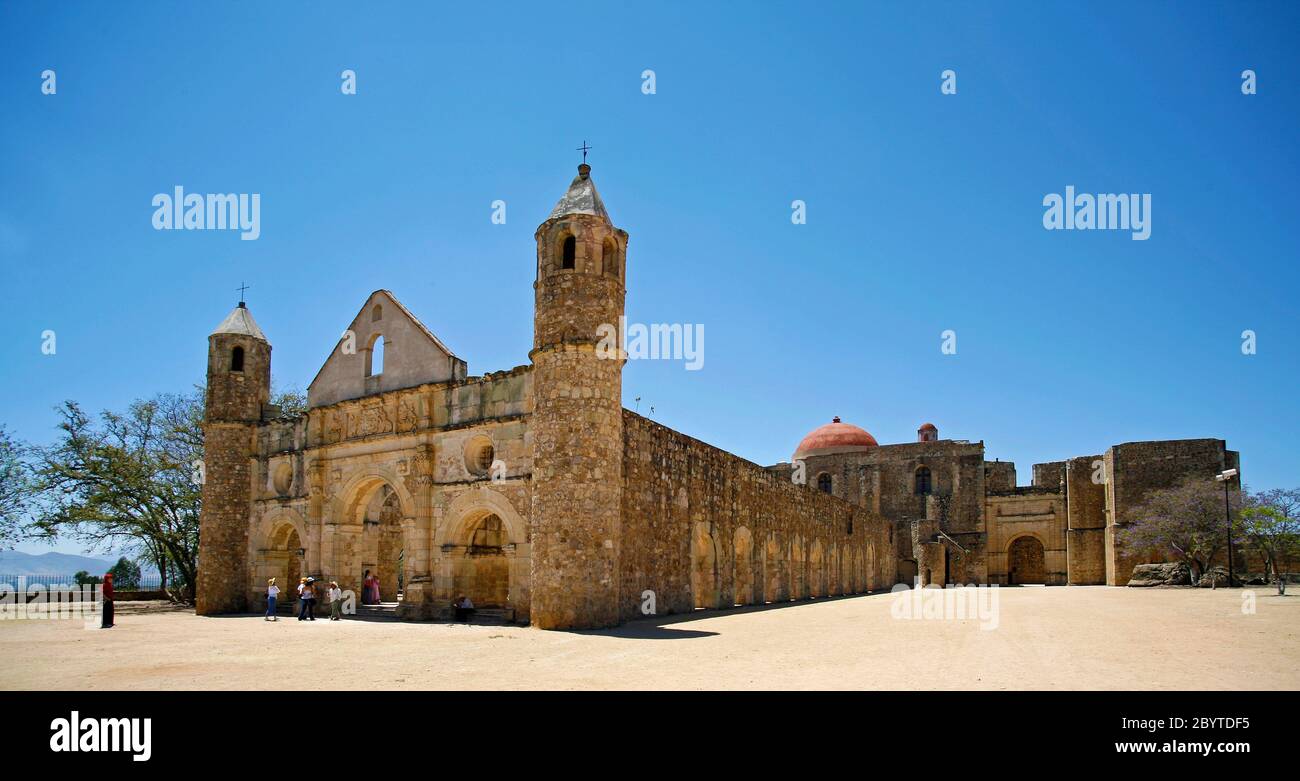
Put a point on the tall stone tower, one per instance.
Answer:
(239, 384)
(577, 420)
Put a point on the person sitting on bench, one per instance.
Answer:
(464, 608)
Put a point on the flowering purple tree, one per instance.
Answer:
(1186, 521)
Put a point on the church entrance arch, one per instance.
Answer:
(1025, 561)
(378, 510)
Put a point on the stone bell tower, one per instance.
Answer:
(239, 384)
(577, 419)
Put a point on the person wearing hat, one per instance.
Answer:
(308, 598)
(336, 601)
(272, 591)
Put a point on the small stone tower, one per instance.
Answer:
(577, 419)
(239, 384)
(927, 433)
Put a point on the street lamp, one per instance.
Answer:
(1224, 477)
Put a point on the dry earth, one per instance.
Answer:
(1046, 638)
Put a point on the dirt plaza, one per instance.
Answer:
(1045, 638)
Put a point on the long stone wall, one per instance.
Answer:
(704, 528)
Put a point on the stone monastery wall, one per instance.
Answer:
(704, 528)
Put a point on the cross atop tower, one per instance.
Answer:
(242, 287)
(584, 149)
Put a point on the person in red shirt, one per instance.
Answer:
(108, 602)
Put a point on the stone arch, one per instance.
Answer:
(378, 514)
(1026, 562)
(365, 481)
(465, 510)
(273, 523)
(609, 257)
(922, 481)
(704, 567)
(826, 483)
(376, 354)
(276, 542)
(568, 251)
(743, 552)
(484, 552)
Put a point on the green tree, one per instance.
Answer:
(15, 488)
(126, 574)
(128, 480)
(83, 578)
(290, 401)
(133, 480)
(1270, 522)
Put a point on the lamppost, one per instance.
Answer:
(1225, 477)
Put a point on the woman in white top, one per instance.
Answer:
(272, 591)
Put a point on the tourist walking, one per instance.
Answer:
(336, 601)
(107, 589)
(272, 591)
(308, 599)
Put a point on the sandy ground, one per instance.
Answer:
(1046, 638)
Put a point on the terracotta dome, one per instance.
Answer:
(835, 437)
(928, 427)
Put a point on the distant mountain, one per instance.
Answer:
(16, 563)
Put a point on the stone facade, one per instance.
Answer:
(703, 528)
(970, 523)
(533, 492)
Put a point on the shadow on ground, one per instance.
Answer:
(666, 627)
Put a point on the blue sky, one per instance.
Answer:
(924, 211)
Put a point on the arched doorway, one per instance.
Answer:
(286, 559)
(1025, 561)
(704, 567)
(483, 573)
(382, 541)
(483, 553)
(744, 570)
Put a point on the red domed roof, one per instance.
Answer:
(835, 437)
(928, 427)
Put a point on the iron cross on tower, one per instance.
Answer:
(584, 149)
(242, 287)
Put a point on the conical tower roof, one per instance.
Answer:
(240, 321)
(581, 198)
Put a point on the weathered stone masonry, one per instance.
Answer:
(705, 528)
(535, 493)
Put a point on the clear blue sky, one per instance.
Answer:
(924, 210)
